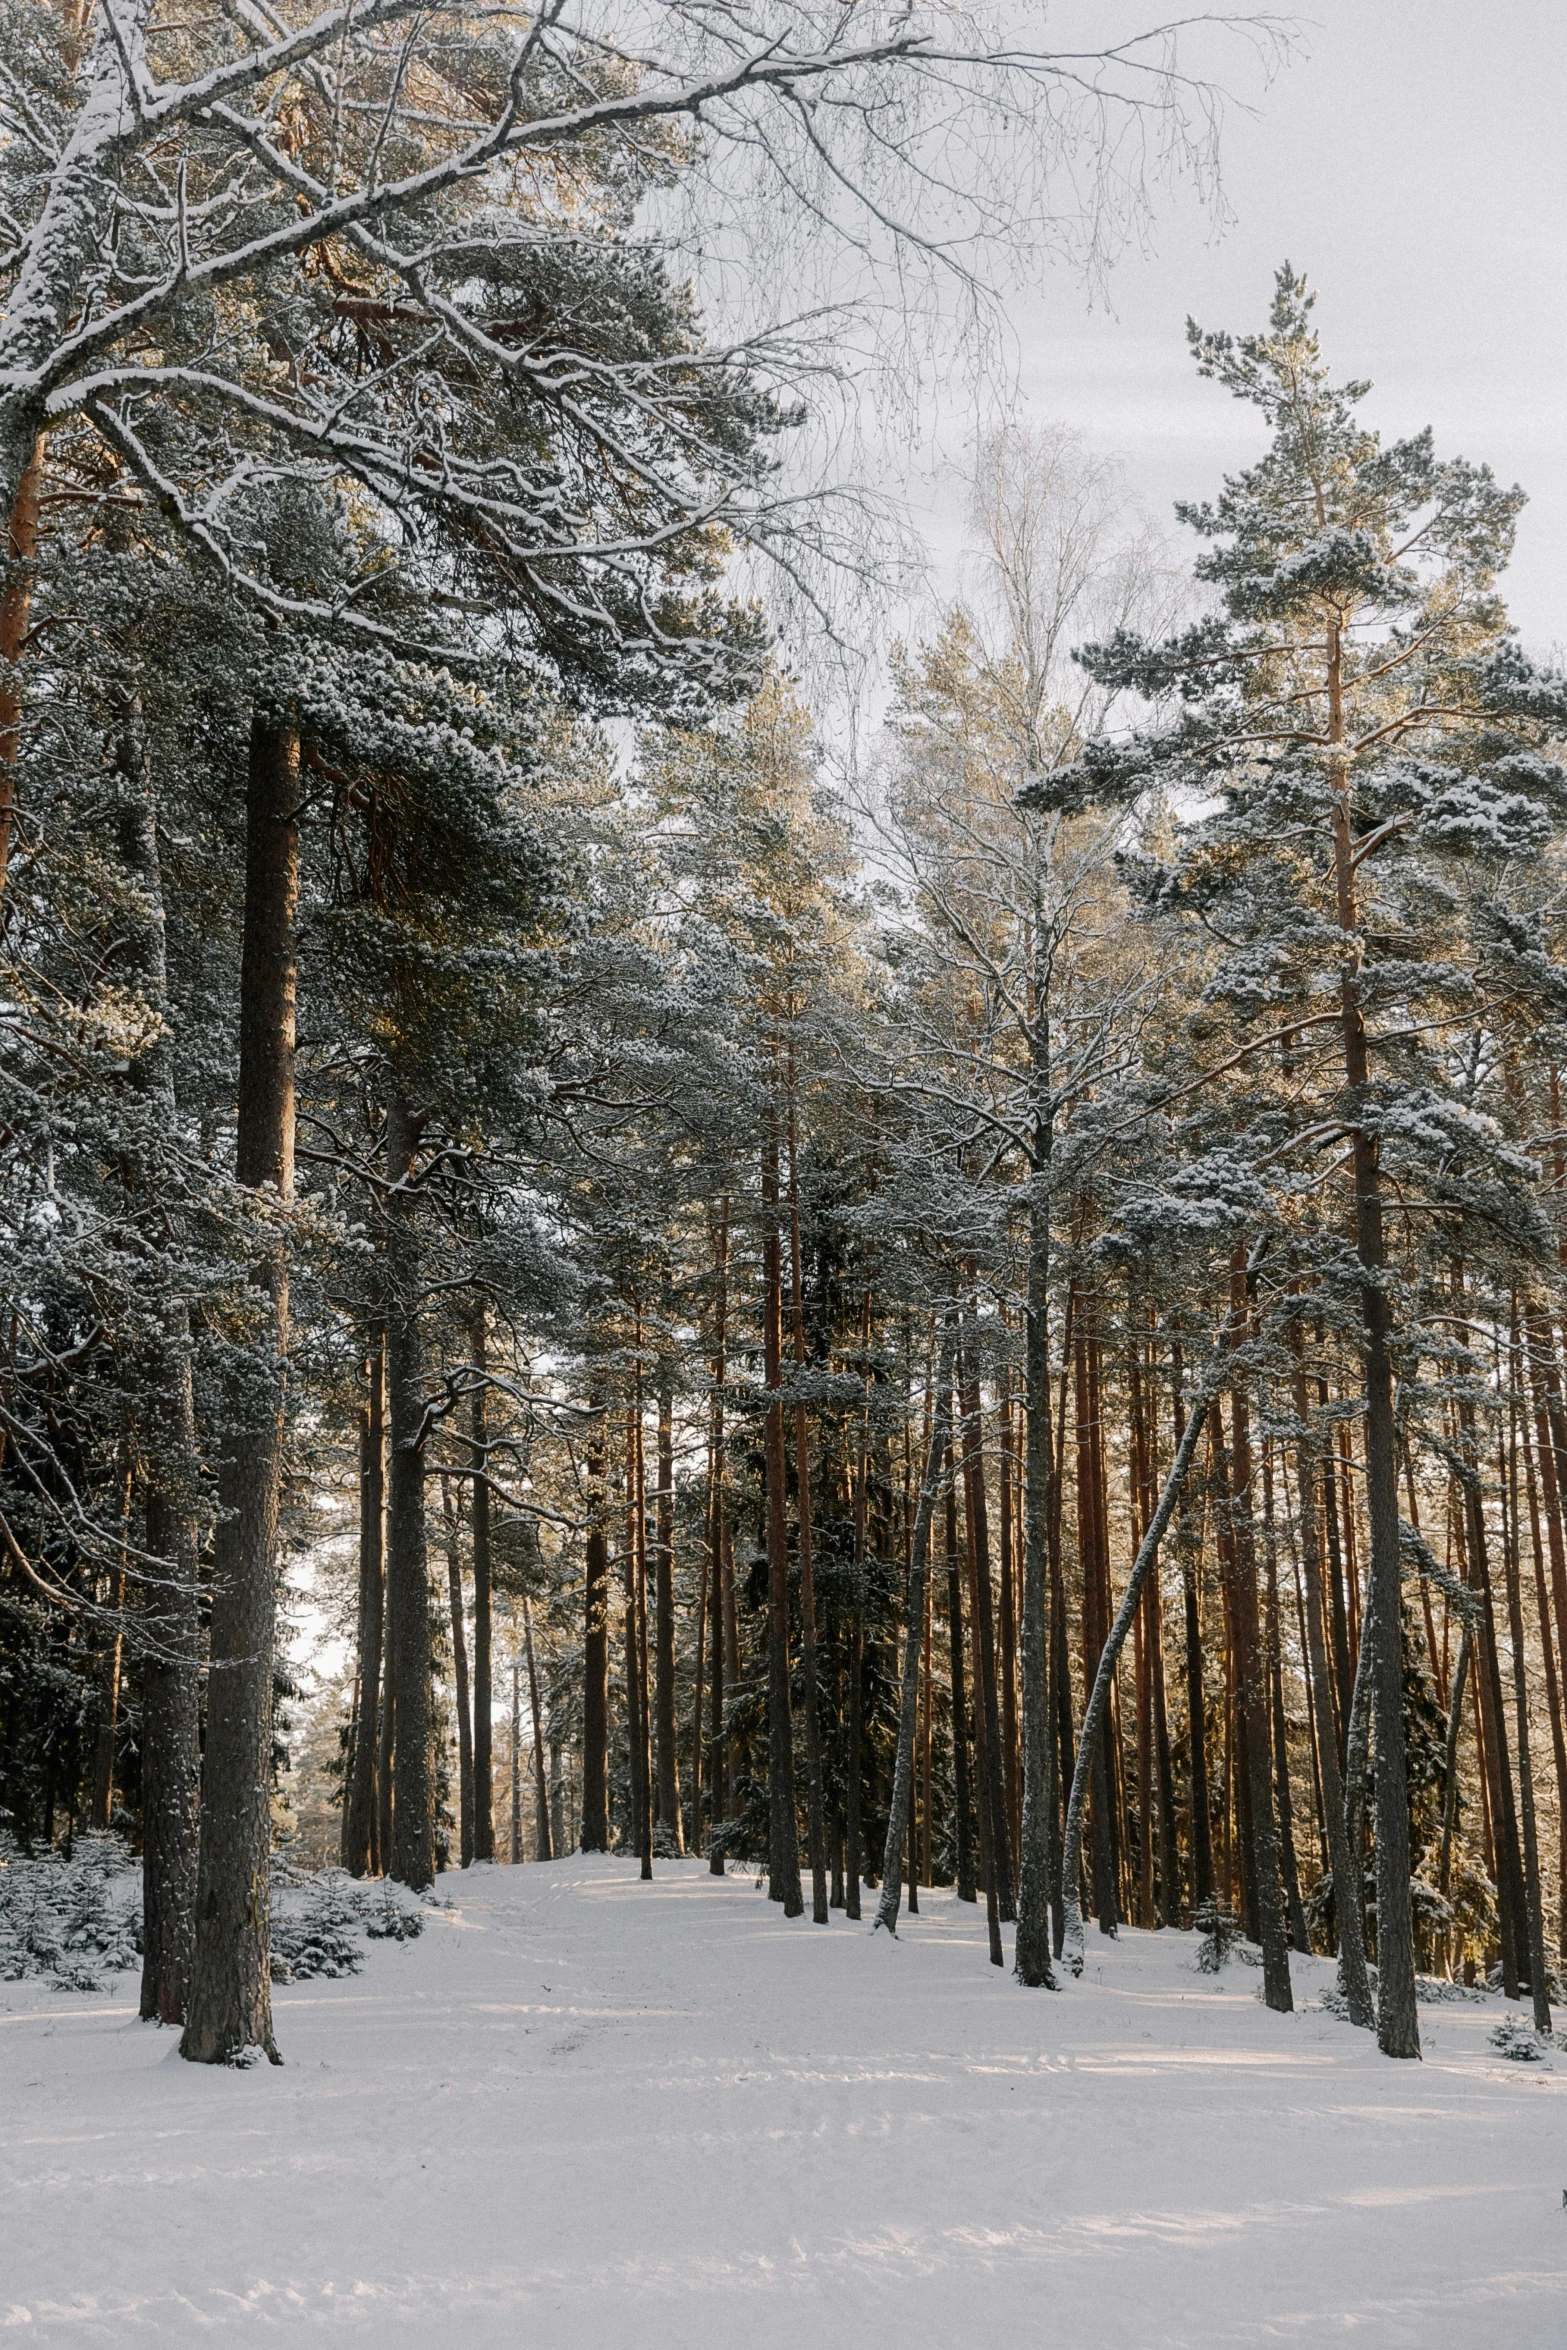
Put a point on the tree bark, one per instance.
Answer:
(1343, 1860)
(1099, 1692)
(963, 1802)
(899, 1810)
(595, 1661)
(977, 1517)
(229, 2012)
(360, 1843)
(543, 1846)
(483, 1603)
(412, 1858)
(815, 1819)
(783, 1829)
(1398, 2024)
(169, 1647)
(665, 1750)
(460, 1679)
(717, 1764)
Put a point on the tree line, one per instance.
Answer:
(989, 1315)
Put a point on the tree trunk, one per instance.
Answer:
(595, 1661)
(360, 1854)
(515, 1854)
(543, 1846)
(1252, 1677)
(407, 1558)
(783, 1829)
(460, 1679)
(1343, 1860)
(666, 1757)
(963, 1802)
(1508, 1859)
(1095, 1639)
(815, 1820)
(170, 1648)
(1099, 1691)
(483, 1604)
(898, 1813)
(1534, 1906)
(16, 611)
(229, 2012)
(1398, 2024)
(717, 1765)
(977, 1518)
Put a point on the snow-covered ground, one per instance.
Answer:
(586, 2111)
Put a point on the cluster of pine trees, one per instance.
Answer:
(995, 1321)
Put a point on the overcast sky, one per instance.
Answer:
(1411, 162)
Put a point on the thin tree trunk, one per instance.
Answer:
(483, 1600)
(667, 1768)
(515, 1853)
(1398, 2023)
(16, 612)
(460, 1679)
(815, 1821)
(912, 1636)
(1534, 1905)
(1508, 1858)
(543, 1845)
(964, 1839)
(360, 1840)
(595, 1660)
(977, 1518)
(718, 1774)
(1343, 1858)
(407, 1549)
(783, 1827)
(169, 1648)
(229, 2011)
(1099, 1692)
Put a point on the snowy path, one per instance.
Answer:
(588, 2112)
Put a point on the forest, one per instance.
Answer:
(612, 1246)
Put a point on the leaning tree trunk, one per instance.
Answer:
(899, 1810)
(412, 1858)
(1099, 1694)
(361, 1842)
(229, 2012)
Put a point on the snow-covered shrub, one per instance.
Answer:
(1436, 1991)
(394, 1916)
(1518, 2041)
(323, 1936)
(1220, 1929)
(73, 1921)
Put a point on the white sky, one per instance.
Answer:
(1411, 163)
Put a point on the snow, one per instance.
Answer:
(586, 2111)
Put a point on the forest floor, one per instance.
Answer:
(593, 2114)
